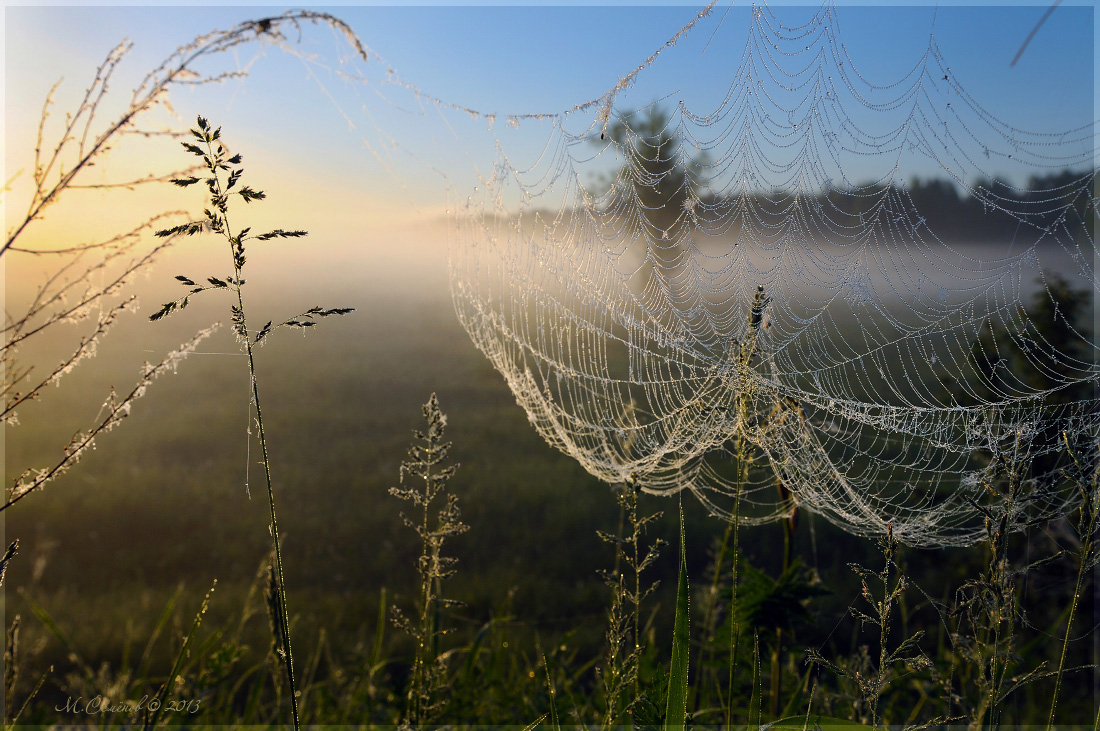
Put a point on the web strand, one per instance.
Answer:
(728, 280)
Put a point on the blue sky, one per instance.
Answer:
(508, 59)
(499, 55)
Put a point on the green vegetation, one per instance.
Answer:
(216, 159)
(535, 620)
(561, 610)
(429, 668)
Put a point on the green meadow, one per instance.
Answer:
(116, 557)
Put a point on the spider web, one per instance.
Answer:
(710, 301)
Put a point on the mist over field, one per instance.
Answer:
(729, 370)
(162, 502)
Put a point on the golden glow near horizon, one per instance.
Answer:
(307, 188)
(307, 193)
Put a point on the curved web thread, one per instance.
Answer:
(728, 281)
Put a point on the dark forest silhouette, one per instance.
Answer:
(661, 189)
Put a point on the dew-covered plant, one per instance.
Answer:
(620, 677)
(222, 179)
(88, 276)
(1086, 553)
(987, 608)
(881, 592)
(429, 473)
(727, 550)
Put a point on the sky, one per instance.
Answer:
(375, 152)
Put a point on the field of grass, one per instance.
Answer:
(116, 557)
(149, 588)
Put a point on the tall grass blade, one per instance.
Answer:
(50, 625)
(37, 687)
(676, 706)
(535, 724)
(470, 668)
(1065, 644)
(152, 720)
(553, 695)
(10, 652)
(1088, 522)
(755, 696)
(11, 660)
(379, 632)
(9, 554)
(253, 703)
(307, 683)
(162, 622)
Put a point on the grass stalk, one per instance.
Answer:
(12, 722)
(754, 698)
(237, 282)
(288, 652)
(745, 354)
(735, 623)
(427, 457)
(620, 675)
(1065, 645)
(553, 699)
(215, 158)
(1086, 530)
(153, 718)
